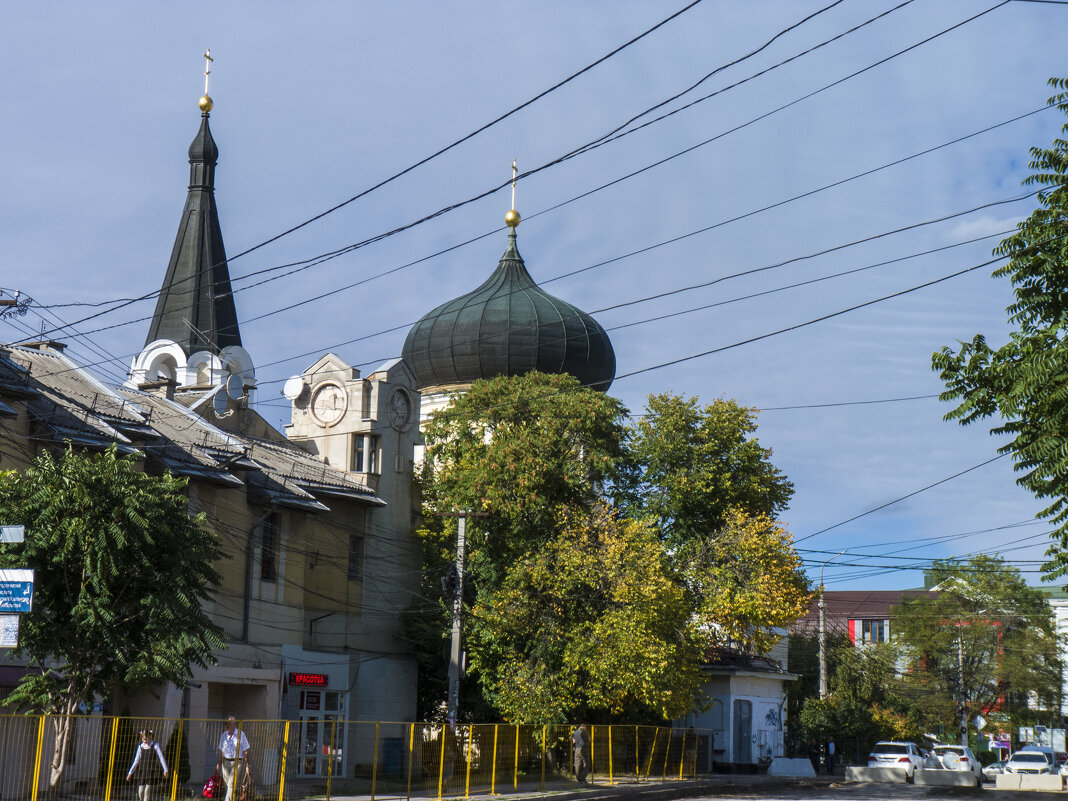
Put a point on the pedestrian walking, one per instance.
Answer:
(233, 756)
(580, 741)
(147, 764)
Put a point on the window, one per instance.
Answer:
(365, 453)
(355, 558)
(367, 398)
(874, 630)
(269, 547)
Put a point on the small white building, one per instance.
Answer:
(744, 725)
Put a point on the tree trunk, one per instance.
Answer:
(62, 742)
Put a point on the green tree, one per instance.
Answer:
(693, 464)
(120, 572)
(554, 627)
(983, 637)
(746, 582)
(524, 452)
(867, 701)
(1025, 381)
(592, 623)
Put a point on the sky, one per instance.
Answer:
(857, 119)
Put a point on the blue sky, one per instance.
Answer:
(316, 102)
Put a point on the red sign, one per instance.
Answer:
(309, 679)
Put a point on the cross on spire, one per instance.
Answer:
(515, 171)
(207, 69)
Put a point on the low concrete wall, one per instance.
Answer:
(1022, 781)
(1046, 783)
(944, 778)
(872, 775)
(781, 766)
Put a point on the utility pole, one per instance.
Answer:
(823, 632)
(455, 582)
(457, 609)
(961, 711)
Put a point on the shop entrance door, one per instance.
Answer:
(322, 735)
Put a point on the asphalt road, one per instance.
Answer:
(746, 788)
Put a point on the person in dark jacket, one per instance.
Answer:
(149, 768)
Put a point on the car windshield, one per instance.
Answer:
(948, 749)
(1029, 757)
(890, 748)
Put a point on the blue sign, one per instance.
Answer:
(16, 596)
(16, 590)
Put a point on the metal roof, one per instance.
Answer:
(508, 326)
(195, 307)
(68, 404)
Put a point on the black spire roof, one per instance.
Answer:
(195, 307)
(508, 326)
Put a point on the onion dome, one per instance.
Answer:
(508, 326)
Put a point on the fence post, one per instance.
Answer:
(177, 761)
(542, 785)
(441, 761)
(330, 764)
(374, 765)
(493, 773)
(282, 766)
(411, 753)
(652, 751)
(467, 761)
(682, 756)
(111, 759)
(611, 775)
(593, 751)
(40, 755)
(637, 757)
(515, 766)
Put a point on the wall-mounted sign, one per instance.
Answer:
(12, 534)
(9, 631)
(309, 679)
(16, 590)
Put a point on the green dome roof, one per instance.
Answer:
(508, 326)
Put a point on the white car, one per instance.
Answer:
(959, 757)
(903, 755)
(1031, 762)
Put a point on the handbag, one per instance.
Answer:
(246, 789)
(211, 786)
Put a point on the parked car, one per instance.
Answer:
(1031, 761)
(993, 770)
(959, 757)
(903, 755)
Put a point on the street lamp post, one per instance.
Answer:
(823, 631)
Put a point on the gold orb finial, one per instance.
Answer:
(512, 218)
(205, 104)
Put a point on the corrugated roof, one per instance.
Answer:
(67, 403)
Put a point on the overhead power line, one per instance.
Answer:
(329, 255)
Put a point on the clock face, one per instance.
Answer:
(400, 409)
(328, 404)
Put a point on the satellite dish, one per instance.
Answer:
(220, 402)
(293, 388)
(234, 387)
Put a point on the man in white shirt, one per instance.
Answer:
(233, 754)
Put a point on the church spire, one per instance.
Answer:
(195, 308)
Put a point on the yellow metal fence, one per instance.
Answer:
(329, 758)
